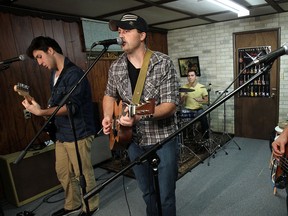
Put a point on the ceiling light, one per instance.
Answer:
(232, 6)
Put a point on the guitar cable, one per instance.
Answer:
(126, 199)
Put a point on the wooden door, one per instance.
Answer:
(256, 117)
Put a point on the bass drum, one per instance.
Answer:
(186, 115)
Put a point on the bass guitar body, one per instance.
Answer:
(281, 171)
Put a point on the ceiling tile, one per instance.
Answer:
(182, 24)
(262, 11)
(223, 16)
(86, 8)
(284, 6)
(195, 6)
(156, 15)
(256, 2)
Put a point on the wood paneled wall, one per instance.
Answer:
(15, 36)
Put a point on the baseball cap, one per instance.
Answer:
(129, 21)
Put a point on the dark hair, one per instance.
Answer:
(43, 43)
(192, 70)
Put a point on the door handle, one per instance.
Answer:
(273, 93)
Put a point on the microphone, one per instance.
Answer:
(270, 56)
(108, 42)
(9, 61)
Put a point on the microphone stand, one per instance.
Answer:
(153, 150)
(4, 67)
(82, 180)
(62, 103)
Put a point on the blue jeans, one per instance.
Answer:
(167, 176)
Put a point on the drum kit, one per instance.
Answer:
(189, 134)
(192, 134)
(210, 145)
(185, 116)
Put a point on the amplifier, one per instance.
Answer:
(34, 176)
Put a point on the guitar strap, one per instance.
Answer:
(141, 78)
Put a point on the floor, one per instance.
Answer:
(237, 183)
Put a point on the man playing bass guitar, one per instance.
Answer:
(279, 147)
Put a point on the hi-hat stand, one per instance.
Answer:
(210, 143)
(183, 148)
(225, 133)
(224, 93)
(219, 146)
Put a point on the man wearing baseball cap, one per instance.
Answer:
(161, 84)
(128, 22)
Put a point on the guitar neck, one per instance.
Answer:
(29, 98)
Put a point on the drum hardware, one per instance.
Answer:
(225, 133)
(185, 115)
(183, 148)
(209, 144)
(183, 90)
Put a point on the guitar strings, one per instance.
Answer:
(284, 164)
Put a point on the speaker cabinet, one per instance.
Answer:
(33, 177)
(100, 150)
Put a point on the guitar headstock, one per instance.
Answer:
(23, 90)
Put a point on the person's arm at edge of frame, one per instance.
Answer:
(279, 144)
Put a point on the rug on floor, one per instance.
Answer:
(192, 152)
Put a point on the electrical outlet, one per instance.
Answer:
(27, 114)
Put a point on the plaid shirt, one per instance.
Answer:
(161, 84)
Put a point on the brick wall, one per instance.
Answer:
(213, 44)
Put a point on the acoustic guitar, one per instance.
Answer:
(121, 136)
(280, 171)
(23, 90)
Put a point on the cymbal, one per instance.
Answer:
(186, 90)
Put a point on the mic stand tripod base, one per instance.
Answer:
(214, 151)
(231, 139)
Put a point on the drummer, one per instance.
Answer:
(194, 98)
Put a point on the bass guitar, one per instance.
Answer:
(121, 136)
(23, 90)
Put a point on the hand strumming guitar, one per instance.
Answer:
(124, 120)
